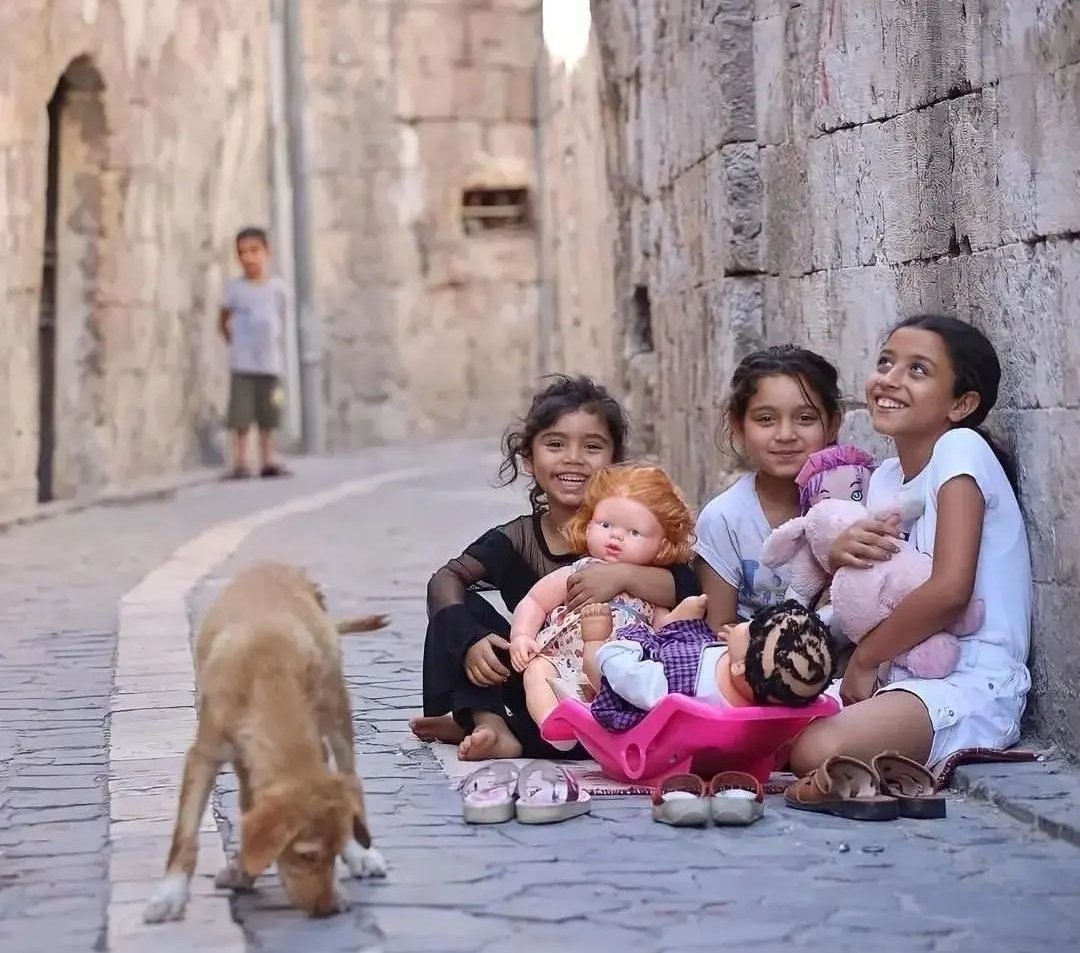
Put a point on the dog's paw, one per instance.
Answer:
(363, 861)
(169, 900)
(231, 877)
(341, 898)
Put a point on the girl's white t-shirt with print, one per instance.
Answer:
(1003, 578)
(731, 531)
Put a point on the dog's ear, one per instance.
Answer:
(266, 830)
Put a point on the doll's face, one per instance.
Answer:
(737, 638)
(624, 531)
(843, 483)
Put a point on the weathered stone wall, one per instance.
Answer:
(169, 142)
(578, 252)
(160, 158)
(809, 171)
(428, 330)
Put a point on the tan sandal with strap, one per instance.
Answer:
(737, 799)
(844, 787)
(911, 784)
(680, 801)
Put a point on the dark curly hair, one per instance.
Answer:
(802, 655)
(563, 395)
(816, 377)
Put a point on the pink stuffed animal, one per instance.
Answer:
(862, 598)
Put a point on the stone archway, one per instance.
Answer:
(72, 412)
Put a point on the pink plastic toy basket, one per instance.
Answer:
(684, 734)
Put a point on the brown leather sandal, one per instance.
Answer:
(911, 784)
(844, 787)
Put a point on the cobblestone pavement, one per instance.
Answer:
(612, 881)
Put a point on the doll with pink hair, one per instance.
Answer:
(836, 473)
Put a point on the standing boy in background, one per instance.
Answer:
(252, 322)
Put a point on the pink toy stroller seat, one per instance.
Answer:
(682, 734)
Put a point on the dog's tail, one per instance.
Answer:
(364, 623)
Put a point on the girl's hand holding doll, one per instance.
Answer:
(860, 680)
(594, 584)
(482, 665)
(865, 542)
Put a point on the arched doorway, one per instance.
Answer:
(71, 395)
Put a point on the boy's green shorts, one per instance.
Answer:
(254, 399)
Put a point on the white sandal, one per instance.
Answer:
(488, 794)
(547, 794)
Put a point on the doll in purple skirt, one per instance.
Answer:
(782, 656)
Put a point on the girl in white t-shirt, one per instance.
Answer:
(784, 405)
(936, 380)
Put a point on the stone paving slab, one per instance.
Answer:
(1044, 794)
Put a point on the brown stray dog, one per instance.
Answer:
(268, 668)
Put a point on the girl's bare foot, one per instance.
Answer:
(690, 609)
(491, 738)
(437, 728)
(596, 622)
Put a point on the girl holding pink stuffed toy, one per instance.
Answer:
(935, 381)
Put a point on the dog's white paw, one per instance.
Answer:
(169, 900)
(341, 898)
(363, 861)
(231, 877)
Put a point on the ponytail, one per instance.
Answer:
(1006, 459)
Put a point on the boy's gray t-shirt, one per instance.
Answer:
(256, 324)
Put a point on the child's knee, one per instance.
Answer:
(817, 743)
(538, 671)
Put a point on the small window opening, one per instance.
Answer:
(641, 329)
(489, 210)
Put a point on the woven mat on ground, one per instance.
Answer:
(943, 769)
(587, 774)
(591, 779)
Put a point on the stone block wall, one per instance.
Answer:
(160, 159)
(809, 171)
(579, 224)
(171, 139)
(428, 330)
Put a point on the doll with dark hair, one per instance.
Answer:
(782, 656)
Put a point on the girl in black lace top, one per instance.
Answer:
(472, 697)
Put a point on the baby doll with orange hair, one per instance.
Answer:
(631, 514)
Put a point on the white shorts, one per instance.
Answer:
(970, 709)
